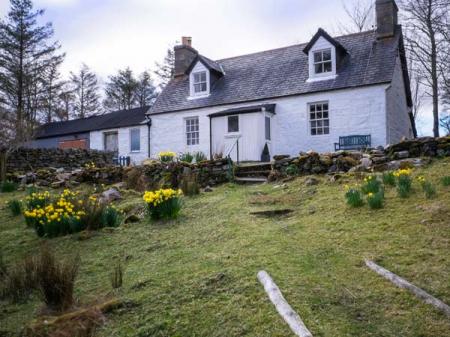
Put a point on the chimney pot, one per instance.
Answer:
(186, 41)
(387, 18)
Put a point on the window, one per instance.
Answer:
(233, 124)
(322, 62)
(135, 140)
(111, 141)
(192, 131)
(267, 127)
(319, 119)
(200, 83)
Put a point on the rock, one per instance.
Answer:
(311, 181)
(401, 154)
(132, 218)
(366, 162)
(120, 186)
(110, 195)
(334, 177)
(207, 189)
(379, 160)
(57, 184)
(280, 157)
(358, 168)
(60, 170)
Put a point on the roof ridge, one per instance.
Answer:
(293, 45)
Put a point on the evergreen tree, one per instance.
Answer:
(145, 91)
(51, 90)
(26, 54)
(121, 91)
(85, 93)
(165, 70)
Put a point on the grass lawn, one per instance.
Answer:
(197, 276)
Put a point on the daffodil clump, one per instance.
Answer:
(353, 196)
(90, 165)
(167, 156)
(371, 185)
(404, 182)
(67, 213)
(427, 187)
(163, 203)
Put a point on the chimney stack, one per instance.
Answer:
(387, 18)
(184, 55)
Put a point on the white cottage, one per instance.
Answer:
(331, 93)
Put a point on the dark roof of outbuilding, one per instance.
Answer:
(245, 110)
(284, 72)
(116, 119)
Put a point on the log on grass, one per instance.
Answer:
(284, 309)
(402, 283)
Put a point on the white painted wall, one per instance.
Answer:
(352, 111)
(97, 142)
(399, 123)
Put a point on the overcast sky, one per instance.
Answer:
(109, 35)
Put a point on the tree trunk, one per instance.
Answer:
(3, 158)
(434, 71)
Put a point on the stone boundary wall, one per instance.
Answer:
(404, 154)
(27, 159)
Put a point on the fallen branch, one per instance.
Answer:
(402, 283)
(284, 309)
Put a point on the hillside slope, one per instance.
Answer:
(197, 276)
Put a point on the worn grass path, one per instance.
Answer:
(197, 276)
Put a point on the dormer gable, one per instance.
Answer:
(203, 73)
(325, 55)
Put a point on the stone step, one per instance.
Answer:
(253, 167)
(243, 174)
(250, 180)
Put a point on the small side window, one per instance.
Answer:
(322, 62)
(135, 140)
(233, 124)
(267, 127)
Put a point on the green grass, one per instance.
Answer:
(196, 276)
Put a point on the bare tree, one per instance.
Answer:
(361, 16)
(445, 122)
(85, 92)
(417, 90)
(425, 23)
(165, 70)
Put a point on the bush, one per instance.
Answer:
(163, 204)
(376, 200)
(117, 275)
(199, 157)
(8, 186)
(354, 197)
(15, 206)
(292, 170)
(167, 156)
(427, 187)
(186, 157)
(56, 279)
(404, 182)
(189, 184)
(18, 281)
(111, 217)
(389, 178)
(446, 181)
(371, 185)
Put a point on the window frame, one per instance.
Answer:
(190, 134)
(110, 133)
(322, 120)
(228, 124)
(131, 140)
(322, 62)
(200, 82)
(268, 135)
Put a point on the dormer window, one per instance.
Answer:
(322, 62)
(200, 83)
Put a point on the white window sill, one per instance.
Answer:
(233, 135)
(134, 152)
(198, 96)
(321, 78)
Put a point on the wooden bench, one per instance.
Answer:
(355, 142)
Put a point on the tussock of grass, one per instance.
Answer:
(196, 276)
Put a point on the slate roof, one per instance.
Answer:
(284, 71)
(112, 120)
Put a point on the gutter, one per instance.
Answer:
(149, 124)
(210, 138)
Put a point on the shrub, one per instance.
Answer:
(376, 200)
(163, 204)
(404, 182)
(389, 178)
(199, 157)
(111, 217)
(56, 279)
(7, 186)
(19, 280)
(371, 185)
(186, 157)
(427, 187)
(292, 170)
(167, 156)
(189, 184)
(15, 206)
(354, 197)
(446, 181)
(117, 275)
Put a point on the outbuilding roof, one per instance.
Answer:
(284, 72)
(112, 120)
